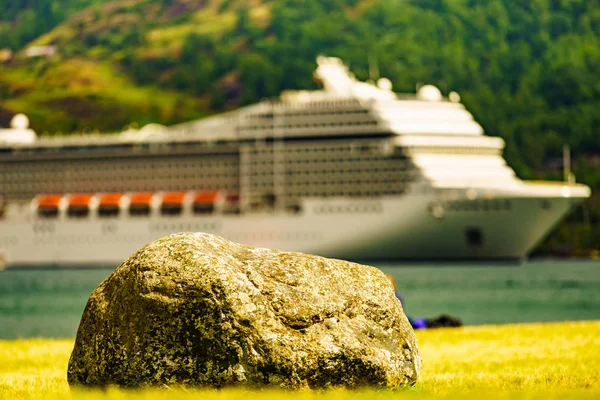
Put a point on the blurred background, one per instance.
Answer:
(527, 70)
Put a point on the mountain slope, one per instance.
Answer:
(23, 20)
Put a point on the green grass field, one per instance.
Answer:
(555, 360)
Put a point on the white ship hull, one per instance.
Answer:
(398, 228)
(353, 171)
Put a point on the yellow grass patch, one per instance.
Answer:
(205, 21)
(261, 15)
(534, 361)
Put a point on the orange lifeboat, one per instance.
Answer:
(172, 203)
(78, 200)
(204, 202)
(173, 198)
(110, 199)
(141, 198)
(108, 205)
(140, 203)
(79, 205)
(48, 205)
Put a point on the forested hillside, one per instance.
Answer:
(21, 21)
(528, 70)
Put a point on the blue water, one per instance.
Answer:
(49, 303)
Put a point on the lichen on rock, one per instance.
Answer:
(195, 309)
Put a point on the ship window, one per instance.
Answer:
(474, 236)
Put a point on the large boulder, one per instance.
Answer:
(196, 309)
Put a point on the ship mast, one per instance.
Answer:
(568, 175)
(373, 68)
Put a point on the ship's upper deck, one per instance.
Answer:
(344, 108)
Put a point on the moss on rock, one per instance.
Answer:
(196, 309)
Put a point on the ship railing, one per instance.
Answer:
(415, 97)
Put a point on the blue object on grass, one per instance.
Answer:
(418, 323)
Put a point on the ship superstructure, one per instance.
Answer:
(351, 171)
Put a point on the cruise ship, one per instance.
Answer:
(352, 171)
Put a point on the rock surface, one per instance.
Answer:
(196, 309)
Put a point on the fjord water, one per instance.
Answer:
(49, 303)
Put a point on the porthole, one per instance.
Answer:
(474, 236)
